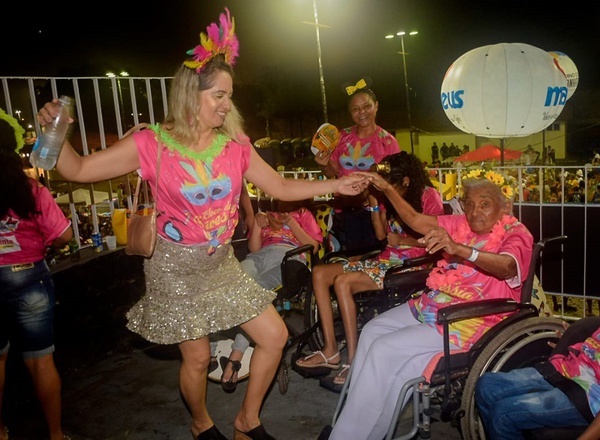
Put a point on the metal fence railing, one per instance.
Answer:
(546, 203)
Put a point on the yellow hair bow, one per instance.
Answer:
(361, 84)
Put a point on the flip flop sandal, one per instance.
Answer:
(326, 361)
(230, 385)
(340, 378)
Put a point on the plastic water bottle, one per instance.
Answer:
(47, 148)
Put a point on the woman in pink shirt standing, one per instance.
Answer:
(360, 146)
(30, 223)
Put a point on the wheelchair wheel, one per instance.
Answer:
(283, 377)
(520, 345)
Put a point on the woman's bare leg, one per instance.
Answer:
(323, 276)
(345, 286)
(195, 357)
(269, 333)
(47, 385)
(2, 380)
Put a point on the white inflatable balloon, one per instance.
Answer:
(569, 68)
(504, 90)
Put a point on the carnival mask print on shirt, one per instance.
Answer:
(355, 159)
(211, 194)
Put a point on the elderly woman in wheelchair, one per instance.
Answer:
(486, 254)
(407, 177)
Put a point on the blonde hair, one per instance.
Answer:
(184, 103)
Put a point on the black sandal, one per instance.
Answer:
(230, 385)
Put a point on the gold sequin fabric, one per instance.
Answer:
(190, 294)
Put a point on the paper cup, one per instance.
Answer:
(111, 242)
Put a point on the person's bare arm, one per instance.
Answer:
(246, 209)
(272, 183)
(593, 431)
(117, 160)
(302, 236)
(328, 166)
(378, 218)
(60, 241)
(254, 240)
(501, 266)
(419, 222)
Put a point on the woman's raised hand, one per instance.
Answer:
(49, 112)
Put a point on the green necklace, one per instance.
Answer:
(207, 155)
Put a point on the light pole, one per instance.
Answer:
(403, 53)
(321, 77)
(122, 74)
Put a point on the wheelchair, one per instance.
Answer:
(446, 388)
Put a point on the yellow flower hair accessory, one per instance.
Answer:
(219, 39)
(504, 182)
(19, 131)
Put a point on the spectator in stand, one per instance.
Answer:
(444, 151)
(596, 195)
(435, 153)
(410, 180)
(31, 222)
(360, 146)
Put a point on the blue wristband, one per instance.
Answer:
(373, 208)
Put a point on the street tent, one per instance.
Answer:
(82, 195)
(488, 152)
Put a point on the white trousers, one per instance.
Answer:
(392, 349)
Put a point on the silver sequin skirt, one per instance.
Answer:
(190, 294)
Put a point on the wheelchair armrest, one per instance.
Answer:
(307, 249)
(299, 250)
(476, 309)
(422, 260)
(411, 280)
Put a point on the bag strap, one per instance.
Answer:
(138, 186)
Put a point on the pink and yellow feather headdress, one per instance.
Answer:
(219, 39)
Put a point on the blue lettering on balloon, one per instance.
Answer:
(453, 99)
(558, 93)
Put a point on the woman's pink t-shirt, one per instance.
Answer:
(198, 195)
(25, 240)
(354, 153)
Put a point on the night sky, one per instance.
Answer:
(60, 40)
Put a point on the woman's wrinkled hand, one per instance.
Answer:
(438, 238)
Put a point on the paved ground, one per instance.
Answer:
(117, 386)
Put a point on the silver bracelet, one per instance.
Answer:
(474, 255)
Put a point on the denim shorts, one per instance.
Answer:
(27, 309)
